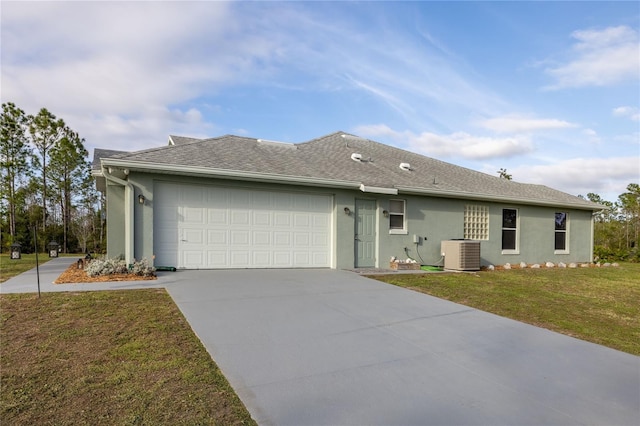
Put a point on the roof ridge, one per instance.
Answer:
(328, 157)
(178, 146)
(327, 136)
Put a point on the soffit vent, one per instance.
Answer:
(405, 166)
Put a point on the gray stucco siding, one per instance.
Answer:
(438, 219)
(344, 250)
(434, 219)
(536, 236)
(143, 225)
(115, 221)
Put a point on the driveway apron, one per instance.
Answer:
(327, 347)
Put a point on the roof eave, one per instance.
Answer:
(496, 198)
(228, 174)
(330, 183)
(98, 176)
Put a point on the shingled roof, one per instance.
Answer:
(177, 140)
(328, 162)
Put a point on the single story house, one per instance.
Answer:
(338, 201)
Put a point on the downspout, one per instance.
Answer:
(593, 234)
(128, 213)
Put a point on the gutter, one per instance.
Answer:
(128, 213)
(330, 183)
(497, 198)
(378, 190)
(231, 174)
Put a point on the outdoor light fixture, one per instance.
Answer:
(16, 251)
(385, 213)
(347, 211)
(141, 199)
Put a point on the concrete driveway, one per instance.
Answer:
(325, 347)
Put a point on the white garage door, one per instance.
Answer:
(205, 227)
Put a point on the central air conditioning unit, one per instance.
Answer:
(461, 255)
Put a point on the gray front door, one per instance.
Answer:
(365, 233)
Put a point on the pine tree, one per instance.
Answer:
(45, 131)
(14, 160)
(70, 173)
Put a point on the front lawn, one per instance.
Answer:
(103, 358)
(601, 305)
(11, 267)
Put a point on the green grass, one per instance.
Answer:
(600, 305)
(12, 267)
(102, 358)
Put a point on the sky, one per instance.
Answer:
(549, 91)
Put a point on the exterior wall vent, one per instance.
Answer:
(461, 255)
(356, 157)
(405, 166)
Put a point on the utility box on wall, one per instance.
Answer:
(461, 255)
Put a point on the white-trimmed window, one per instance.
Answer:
(476, 222)
(397, 220)
(509, 231)
(561, 245)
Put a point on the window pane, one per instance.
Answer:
(508, 239)
(509, 218)
(396, 221)
(561, 221)
(396, 206)
(561, 241)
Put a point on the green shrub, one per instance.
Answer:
(603, 254)
(142, 267)
(104, 266)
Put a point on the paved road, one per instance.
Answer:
(326, 347)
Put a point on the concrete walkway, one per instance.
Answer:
(27, 282)
(326, 347)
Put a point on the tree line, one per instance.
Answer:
(46, 188)
(617, 228)
(47, 192)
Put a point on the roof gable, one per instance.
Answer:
(99, 154)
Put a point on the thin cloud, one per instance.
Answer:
(116, 81)
(149, 128)
(457, 144)
(512, 124)
(632, 113)
(388, 98)
(592, 136)
(583, 175)
(122, 74)
(599, 58)
(392, 67)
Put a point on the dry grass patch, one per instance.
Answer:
(117, 357)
